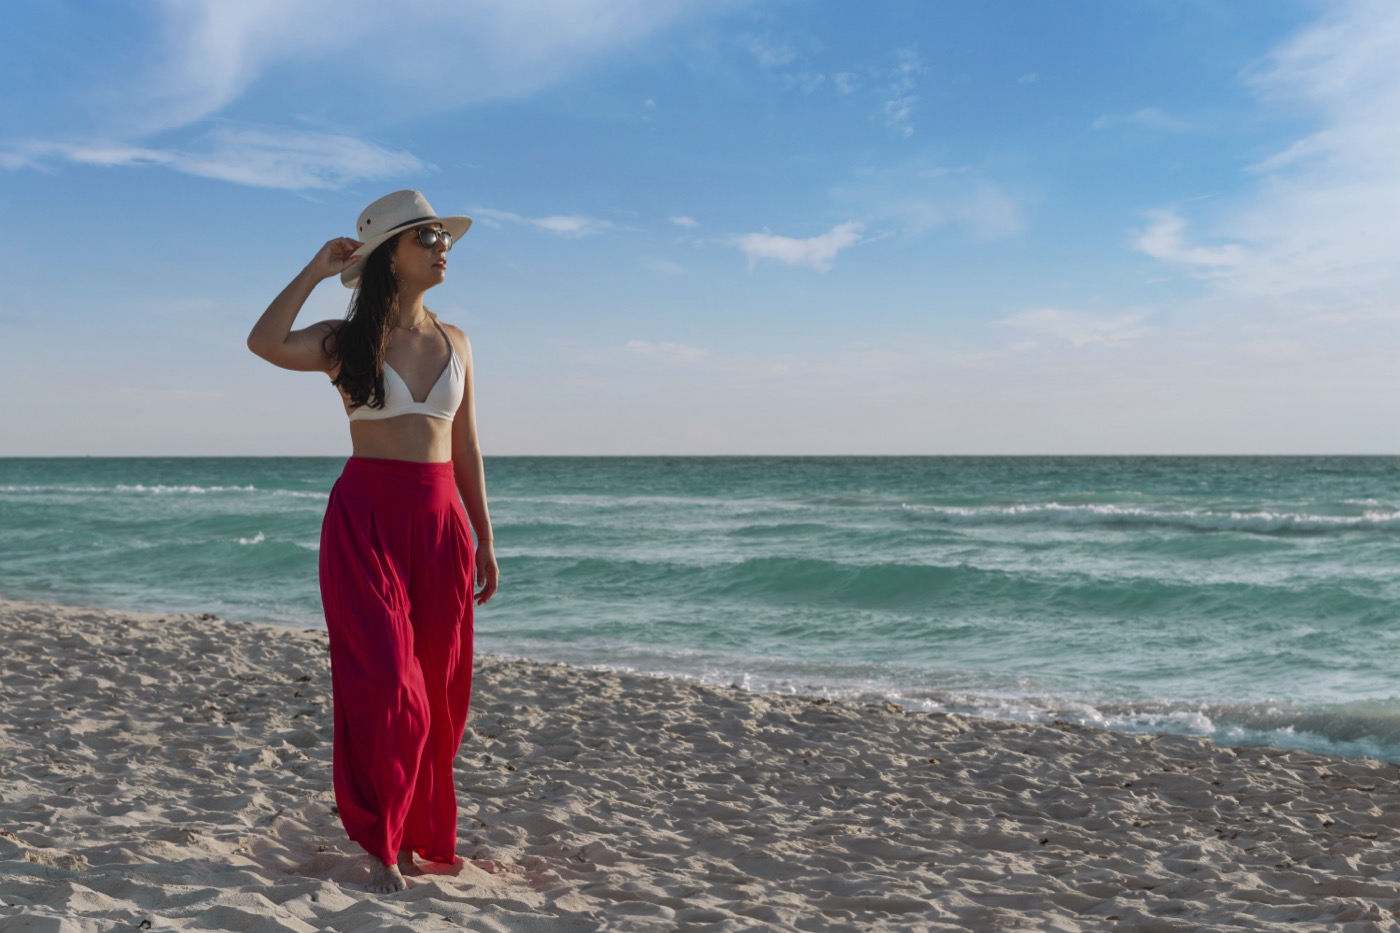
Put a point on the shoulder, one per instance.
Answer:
(457, 336)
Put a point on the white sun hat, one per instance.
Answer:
(392, 214)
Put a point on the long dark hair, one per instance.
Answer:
(358, 345)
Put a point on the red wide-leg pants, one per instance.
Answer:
(396, 584)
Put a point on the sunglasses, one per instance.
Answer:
(428, 237)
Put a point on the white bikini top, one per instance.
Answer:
(441, 402)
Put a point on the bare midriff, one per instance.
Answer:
(415, 438)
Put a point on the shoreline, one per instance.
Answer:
(176, 769)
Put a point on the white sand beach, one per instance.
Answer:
(173, 772)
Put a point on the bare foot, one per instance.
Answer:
(406, 860)
(384, 878)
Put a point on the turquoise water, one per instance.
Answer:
(1251, 600)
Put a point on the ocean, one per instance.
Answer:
(1250, 600)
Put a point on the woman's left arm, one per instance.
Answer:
(471, 477)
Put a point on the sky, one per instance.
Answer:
(719, 226)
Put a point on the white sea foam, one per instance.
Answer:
(130, 488)
(156, 490)
(639, 502)
(160, 490)
(1261, 522)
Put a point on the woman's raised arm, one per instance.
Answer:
(272, 337)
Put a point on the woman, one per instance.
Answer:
(398, 564)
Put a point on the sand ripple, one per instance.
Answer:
(171, 773)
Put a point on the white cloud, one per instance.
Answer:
(514, 48)
(295, 160)
(900, 98)
(1342, 65)
(1317, 232)
(1164, 239)
(1079, 328)
(202, 55)
(818, 252)
(207, 53)
(562, 224)
(1028, 78)
(570, 225)
(690, 223)
(899, 112)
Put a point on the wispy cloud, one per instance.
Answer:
(767, 53)
(1165, 239)
(1079, 328)
(295, 160)
(900, 98)
(818, 252)
(219, 49)
(1147, 118)
(199, 56)
(666, 351)
(807, 82)
(919, 198)
(562, 224)
(1324, 215)
(690, 223)
(570, 224)
(891, 85)
(664, 266)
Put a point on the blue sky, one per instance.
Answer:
(719, 227)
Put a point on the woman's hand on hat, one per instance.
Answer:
(335, 257)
